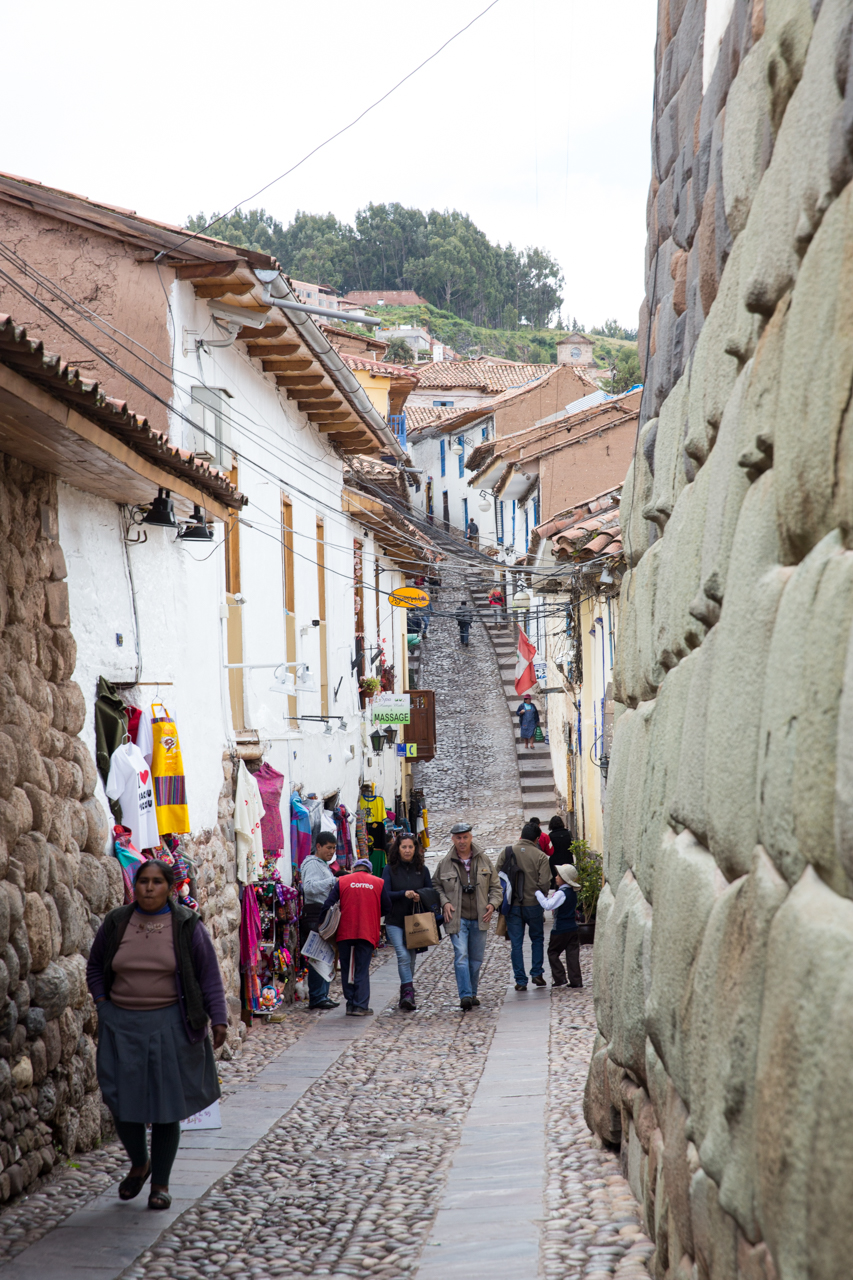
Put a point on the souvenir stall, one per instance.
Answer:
(138, 752)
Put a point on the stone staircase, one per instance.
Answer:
(536, 776)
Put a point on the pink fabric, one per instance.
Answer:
(250, 930)
(270, 783)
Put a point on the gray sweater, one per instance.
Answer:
(317, 879)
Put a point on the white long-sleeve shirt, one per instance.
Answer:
(553, 901)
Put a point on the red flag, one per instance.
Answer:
(525, 677)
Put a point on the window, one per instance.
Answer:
(499, 517)
(485, 433)
(513, 522)
(321, 610)
(526, 530)
(465, 514)
(535, 511)
(442, 446)
(211, 431)
(460, 440)
(442, 404)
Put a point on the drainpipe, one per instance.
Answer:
(278, 293)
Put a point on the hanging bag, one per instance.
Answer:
(167, 766)
(538, 735)
(420, 929)
(329, 925)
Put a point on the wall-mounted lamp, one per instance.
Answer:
(390, 736)
(521, 601)
(376, 739)
(162, 513)
(197, 529)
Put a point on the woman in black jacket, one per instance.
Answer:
(561, 846)
(406, 878)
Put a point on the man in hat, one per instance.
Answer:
(364, 900)
(564, 933)
(469, 892)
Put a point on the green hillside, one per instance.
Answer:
(537, 346)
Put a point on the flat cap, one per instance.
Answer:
(459, 828)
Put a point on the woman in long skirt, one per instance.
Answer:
(155, 980)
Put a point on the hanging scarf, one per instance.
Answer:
(167, 766)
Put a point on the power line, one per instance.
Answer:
(321, 145)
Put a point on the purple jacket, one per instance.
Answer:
(201, 985)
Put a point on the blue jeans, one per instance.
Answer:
(534, 918)
(464, 628)
(318, 988)
(405, 958)
(357, 992)
(469, 947)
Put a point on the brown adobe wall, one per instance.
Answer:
(540, 402)
(724, 946)
(589, 467)
(101, 273)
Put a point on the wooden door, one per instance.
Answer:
(421, 727)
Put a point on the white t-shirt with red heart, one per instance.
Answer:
(130, 782)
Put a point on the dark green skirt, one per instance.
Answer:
(148, 1069)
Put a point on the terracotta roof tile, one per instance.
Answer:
(379, 367)
(481, 375)
(30, 359)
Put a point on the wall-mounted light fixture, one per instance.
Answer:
(197, 529)
(162, 513)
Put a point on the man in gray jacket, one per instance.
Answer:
(317, 880)
(469, 892)
(464, 616)
(534, 872)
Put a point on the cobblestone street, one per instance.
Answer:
(474, 776)
(349, 1181)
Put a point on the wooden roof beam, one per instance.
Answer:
(260, 350)
(222, 289)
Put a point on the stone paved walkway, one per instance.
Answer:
(474, 775)
(359, 1174)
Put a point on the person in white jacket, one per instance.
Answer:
(564, 938)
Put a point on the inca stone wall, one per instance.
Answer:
(55, 883)
(724, 948)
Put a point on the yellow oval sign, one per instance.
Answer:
(409, 598)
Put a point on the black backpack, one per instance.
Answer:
(514, 874)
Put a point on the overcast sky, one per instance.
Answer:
(535, 122)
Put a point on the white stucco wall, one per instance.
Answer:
(178, 592)
(426, 455)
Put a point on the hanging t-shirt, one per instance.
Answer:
(374, 809)
(130, 782)
(248, 812)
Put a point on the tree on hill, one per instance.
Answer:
(444, 255)
(399, 352)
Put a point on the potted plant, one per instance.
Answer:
(367, 687)
(591, 878)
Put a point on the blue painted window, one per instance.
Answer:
(485, 433)
(526, 531)
(460, 440)
(441, 446)
(499, 516)
(535, 512)
(442, 404)
(513, 522)
(465, 514)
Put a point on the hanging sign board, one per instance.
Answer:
(409, 598)
(391, 708)
(540, 670)
(408, 750)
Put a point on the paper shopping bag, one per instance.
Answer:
(421, 930)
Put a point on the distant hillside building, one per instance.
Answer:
(575, 348)
(384, 298)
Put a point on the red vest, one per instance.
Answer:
(360, 907)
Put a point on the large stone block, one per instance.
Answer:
(601, 1111)
(748, 139)
(661, 772)
(677, 630)
(637, 532)
(626, 959)
(687, 808)
(633, 816)
(727, 484)
(614, 805)
(813, 436)
(755, 584)
(37, 921)
(804, 1105)
(796, 189)
(799, 717)
(669, 476)
(603, 946)
(636, 674)
(687, 884)
(726, 1012)
(714, 1231)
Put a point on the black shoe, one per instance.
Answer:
(521, 986)
(360, 1013)
(466, 1003)
(558, 984)
(475, 1001)
(325, 1004)
(539, 981)
(350, 1006)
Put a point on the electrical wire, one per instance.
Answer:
(327, 141)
